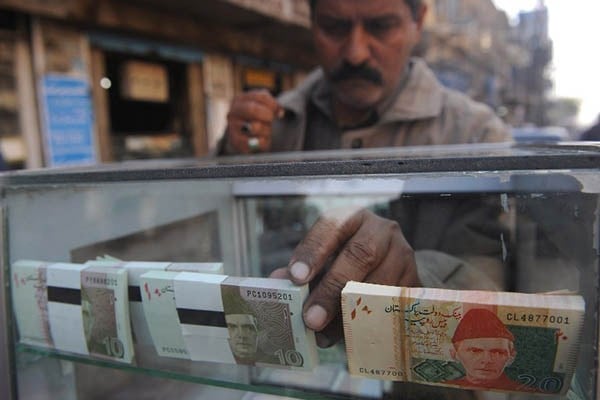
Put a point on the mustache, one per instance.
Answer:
(348, 71)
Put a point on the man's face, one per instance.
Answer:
(364, 47)
(484, 359)
(242, 335)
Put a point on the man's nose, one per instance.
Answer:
(357, 50)
(487, 357)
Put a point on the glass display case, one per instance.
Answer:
(500, 217)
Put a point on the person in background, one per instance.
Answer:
(367, 93)
(593, 133)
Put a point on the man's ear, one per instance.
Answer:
(511, 358)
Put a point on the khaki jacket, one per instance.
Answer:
(424, 113)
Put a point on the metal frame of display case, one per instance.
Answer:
(419, 160)
(7, 377)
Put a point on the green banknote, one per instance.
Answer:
(264, 320)
(105, 313)
(135, 269)
(216, 318)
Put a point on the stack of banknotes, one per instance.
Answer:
(466, 339)
(184, 310)
(86, 308)
(218, 318)
(135, 269)
(76, 308)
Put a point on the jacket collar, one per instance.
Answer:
(420, 97)
(295, 100)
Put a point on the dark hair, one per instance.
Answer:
(414, 5)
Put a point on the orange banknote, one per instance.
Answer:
(468, 339)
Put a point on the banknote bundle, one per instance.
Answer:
(30, 299)
(135, 269)
(76, 308)
(466, 339)
(217, 318)
(87, 310)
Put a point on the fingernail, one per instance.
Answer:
(281, 113)
(299, 270)
(315, 317)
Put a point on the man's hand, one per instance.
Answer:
(249, 121)
(359, 246)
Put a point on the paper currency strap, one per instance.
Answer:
(64, 295)
(202, 317)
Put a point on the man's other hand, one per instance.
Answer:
(249, 122)
(355, 245)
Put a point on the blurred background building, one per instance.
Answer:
(87, 81)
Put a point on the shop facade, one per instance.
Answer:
(103, 81)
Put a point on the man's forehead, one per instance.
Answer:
(360, 9)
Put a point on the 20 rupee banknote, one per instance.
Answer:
(466, 339)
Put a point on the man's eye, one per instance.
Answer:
(335, 28)
(380, 27)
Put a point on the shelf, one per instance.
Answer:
(327, 377)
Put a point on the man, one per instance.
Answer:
(484, 347)
(243, 337)
(368, 93)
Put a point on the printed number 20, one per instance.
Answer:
(290, 357)
(114, 347)
(548, 384)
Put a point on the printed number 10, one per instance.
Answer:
(290, 357)
(114, 347)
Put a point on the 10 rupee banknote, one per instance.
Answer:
(30, 302)
(217, 318)
(135, 269)
(465, 339)
(88, 311)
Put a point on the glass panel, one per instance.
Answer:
(528, 232)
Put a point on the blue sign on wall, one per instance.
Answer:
(68, 121)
